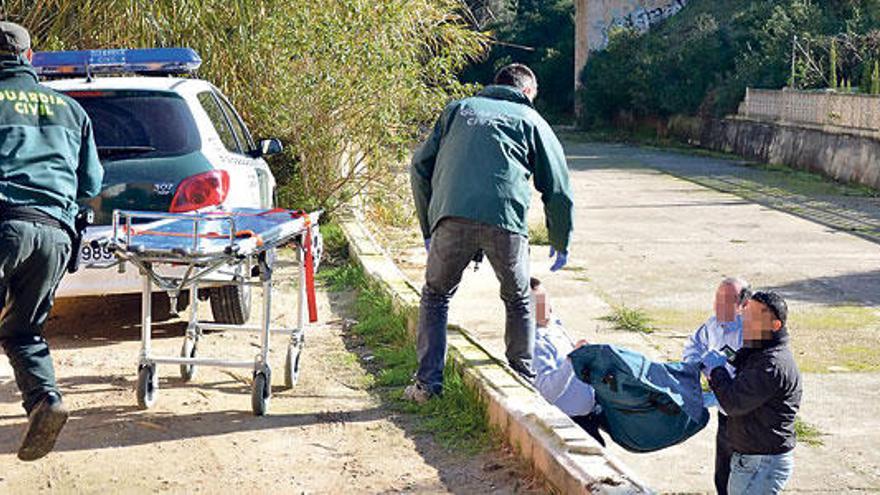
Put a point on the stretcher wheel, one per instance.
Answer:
(260, 393)
(188, 350)
(147, 386)
(291, 365)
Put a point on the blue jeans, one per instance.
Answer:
(759, 474)
(454, 243)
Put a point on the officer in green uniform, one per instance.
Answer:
(48, 160)
(471, 186)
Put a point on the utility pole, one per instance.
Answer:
(581, 48)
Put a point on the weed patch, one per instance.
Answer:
(630, 319)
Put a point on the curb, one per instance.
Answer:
(568, 458)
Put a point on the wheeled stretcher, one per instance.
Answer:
(203, 244)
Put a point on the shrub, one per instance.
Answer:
(339, 81)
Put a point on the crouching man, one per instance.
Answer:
(554, 376)
(761, 401)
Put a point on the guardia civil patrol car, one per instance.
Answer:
(168, 141)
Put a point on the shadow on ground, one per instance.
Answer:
(818, 200)
(834, 290)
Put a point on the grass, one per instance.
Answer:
(458, 419)
(538, 235)
(836, 337)
(335, 244)
(677, 320)
(630, 319)
(808, 434)
(340, 277)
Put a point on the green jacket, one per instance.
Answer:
(48, 157)
(478, 161)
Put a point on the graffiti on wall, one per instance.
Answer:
(642, 19)
(638, 15)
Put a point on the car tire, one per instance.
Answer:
(162, 306)
(231, 304)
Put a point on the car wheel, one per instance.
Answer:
(231, 304)
(162, 306)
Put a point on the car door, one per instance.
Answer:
(230, 154)
(265, 182)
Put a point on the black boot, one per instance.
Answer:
(45, 423)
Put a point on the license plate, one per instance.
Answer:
(89, 255)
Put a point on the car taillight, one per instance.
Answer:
(200, 191)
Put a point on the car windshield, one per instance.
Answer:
(139, 124)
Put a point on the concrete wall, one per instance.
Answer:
(830, 112)
(594, 19)
(604, 15)
(844, 157)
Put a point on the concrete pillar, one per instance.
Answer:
(581, 47)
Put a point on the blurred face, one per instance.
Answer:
(759, 322)
(542, 306)
(726, 307)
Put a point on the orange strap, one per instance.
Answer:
(310, 268)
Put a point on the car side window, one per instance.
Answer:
(241, 131)
(219, 120)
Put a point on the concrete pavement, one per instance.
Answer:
(647, 239)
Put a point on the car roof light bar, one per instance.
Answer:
(152, 61)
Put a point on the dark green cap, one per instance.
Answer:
(14, 39)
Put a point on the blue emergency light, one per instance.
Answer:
(163, 61)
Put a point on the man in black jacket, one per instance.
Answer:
(761, 401)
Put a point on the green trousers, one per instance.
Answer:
(33, 258)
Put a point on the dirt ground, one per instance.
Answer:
(330, 434)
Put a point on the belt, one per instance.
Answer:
(30, 214)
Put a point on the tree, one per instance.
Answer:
(875, 79)
(540, 35)
(832, 65)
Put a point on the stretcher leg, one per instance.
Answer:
(297, 336)
(148, 378)
(193, 332)
(261, 391)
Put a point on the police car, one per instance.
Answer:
(168, 142)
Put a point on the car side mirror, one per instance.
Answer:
(268, 147)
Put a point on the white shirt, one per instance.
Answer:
(554, 375)
(713, 336)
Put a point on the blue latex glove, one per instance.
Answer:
(713, 359)
(709, 400)
(561, 259)
(428, 245)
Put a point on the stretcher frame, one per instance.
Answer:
(252, 257)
